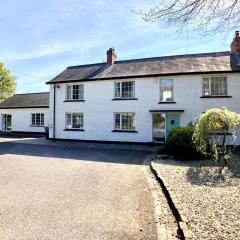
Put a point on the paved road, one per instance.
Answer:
(52, 192)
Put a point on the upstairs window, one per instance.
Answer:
(166, 90)
(74, 121)
(75, 92)
(214, 86)
(124, 89)
(125, 121)
(37, 119)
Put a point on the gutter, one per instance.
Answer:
(54, 111)
(24, 107)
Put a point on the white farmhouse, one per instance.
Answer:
(25, 113)
(140, 100)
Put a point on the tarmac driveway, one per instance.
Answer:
(52, 191)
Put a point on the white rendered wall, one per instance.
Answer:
(98, 108)
(22, 119)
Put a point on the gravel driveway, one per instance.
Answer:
(57, 192)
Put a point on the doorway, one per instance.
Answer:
(159, 127)
(6, 122)
(162, 124)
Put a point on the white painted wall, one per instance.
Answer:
(22, 119)
(98, 108)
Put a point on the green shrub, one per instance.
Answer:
(180, 144)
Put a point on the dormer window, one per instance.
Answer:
(214, 86)
(75, 92)
(124, 90)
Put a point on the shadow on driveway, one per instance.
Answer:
(114, 153)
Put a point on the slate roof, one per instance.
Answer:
(157, 66)
(28, 100)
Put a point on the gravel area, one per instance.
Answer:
(209, 200)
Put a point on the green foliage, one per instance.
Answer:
(179, 143)
(211, 131)
(7, 83)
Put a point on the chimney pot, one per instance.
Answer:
(235, 45)
(111, 56)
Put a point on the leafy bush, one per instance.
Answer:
(180, 144)
(216, 122)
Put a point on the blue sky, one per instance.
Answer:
(39, 39)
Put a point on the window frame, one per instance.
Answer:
(210, 85)
(120, 95)
(74, 128)
(41, 120)
(6, 121)
(121, 122)
(160, 95)
(71, 92)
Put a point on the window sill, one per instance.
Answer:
(170, 102)
(74, 130)
(125, 131)
(36, 126)
(119, 99)
(74, 100)
(217, 96)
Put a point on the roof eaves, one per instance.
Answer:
(147, 75)
(22, 107)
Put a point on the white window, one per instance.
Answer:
(124, 89)
(214, 86)
(74, 120)
(166, 90)
(75, 92)
(38, 119)
(125, 121)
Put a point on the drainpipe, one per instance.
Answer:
(54, 110)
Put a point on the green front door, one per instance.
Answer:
(172, 121)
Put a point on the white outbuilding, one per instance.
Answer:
(25, 113)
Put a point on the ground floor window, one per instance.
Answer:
(38, 119)
(125, 121)
(6, 122)
(74, 121)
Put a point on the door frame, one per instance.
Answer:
(166, 119)
(164, 130)
(4, 122)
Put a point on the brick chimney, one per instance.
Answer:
(235, 45)
(111, 56)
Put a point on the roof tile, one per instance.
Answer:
(29, 100)
(179, 64)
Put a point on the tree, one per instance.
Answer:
(204, 15)
(211, 131)
(7, 83)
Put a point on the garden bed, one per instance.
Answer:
(209, 200)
